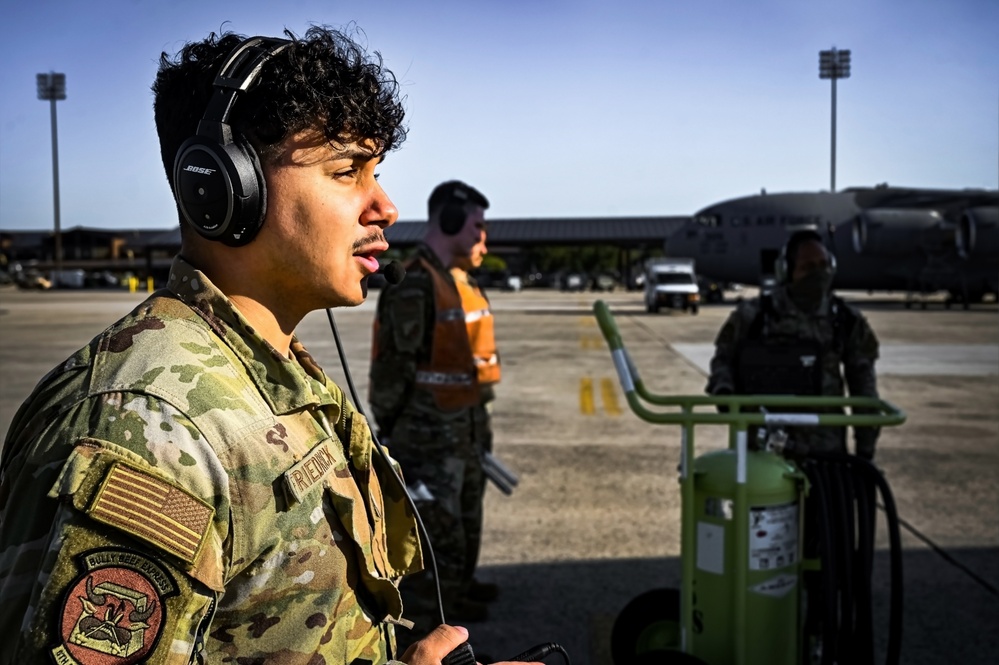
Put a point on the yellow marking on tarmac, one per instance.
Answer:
(586, 403)
(588, 340)
(609, 393)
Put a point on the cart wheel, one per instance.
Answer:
(648, 630)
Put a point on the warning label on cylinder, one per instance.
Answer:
(711, 548)
(773, 536)
(777, 586)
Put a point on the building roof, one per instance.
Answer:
(624, 232)
(617, 231)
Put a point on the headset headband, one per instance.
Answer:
(237, 75)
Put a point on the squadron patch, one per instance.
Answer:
(113, 612)
(407, 319)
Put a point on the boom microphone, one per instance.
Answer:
(393, 272)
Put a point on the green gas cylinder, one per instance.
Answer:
(771, 507)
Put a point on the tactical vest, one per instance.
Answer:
(787, 365)
(450, 374)
(479, 324)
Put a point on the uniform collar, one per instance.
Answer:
(286, 383)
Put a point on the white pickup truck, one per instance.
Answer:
(671, 282)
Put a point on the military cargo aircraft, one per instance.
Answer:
(885, 238)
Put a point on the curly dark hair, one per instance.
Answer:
(323, 81)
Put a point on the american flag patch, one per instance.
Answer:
(153, 510)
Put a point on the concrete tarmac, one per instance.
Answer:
(595, 519)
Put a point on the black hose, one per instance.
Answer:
(895, 540)
(848, 487)
(818, 513)
(864, 554)
(845, 569)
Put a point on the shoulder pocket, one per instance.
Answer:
(118, 489)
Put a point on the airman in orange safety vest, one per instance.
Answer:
(424, 395)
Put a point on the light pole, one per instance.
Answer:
(52, 87)
(834, 64)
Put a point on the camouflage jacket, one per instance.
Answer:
(403, 338)
(177, 491)
(851, 353)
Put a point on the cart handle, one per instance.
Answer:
(884, 413)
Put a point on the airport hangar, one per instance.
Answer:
(148, 252)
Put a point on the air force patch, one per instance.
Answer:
(113, 612)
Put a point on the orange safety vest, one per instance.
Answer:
(479, 323)
(450, 376)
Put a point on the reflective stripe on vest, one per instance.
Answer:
(450, 376)
(479, 323)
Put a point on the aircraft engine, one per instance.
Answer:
(898, 231)
(978, 232)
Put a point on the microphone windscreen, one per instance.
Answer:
(393, 272)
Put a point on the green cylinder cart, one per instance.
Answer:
(741, 527)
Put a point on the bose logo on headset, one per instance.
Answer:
(217, 179)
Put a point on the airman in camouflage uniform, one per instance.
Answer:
(234, 490)
(481, 333)
(801, 320)
(803, 308)
(190, 486)
(423, 389)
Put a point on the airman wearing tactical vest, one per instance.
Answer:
(801, 339)
(424, 388)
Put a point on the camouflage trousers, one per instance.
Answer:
(443, 469)
(482, 442)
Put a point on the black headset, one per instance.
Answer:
(454, 213)
(217, 179)
(783, 267)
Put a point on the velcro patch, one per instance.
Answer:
(407, 320)
(310, 471)
(114, 611)
(153, 510)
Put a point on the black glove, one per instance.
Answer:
(722, 408)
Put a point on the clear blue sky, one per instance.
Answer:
(551, 107)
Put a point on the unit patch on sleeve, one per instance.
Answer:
(113, 611)
(152, 509)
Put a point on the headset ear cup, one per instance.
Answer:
(220, 189)
(453, 218)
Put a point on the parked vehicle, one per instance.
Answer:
(671, 282)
